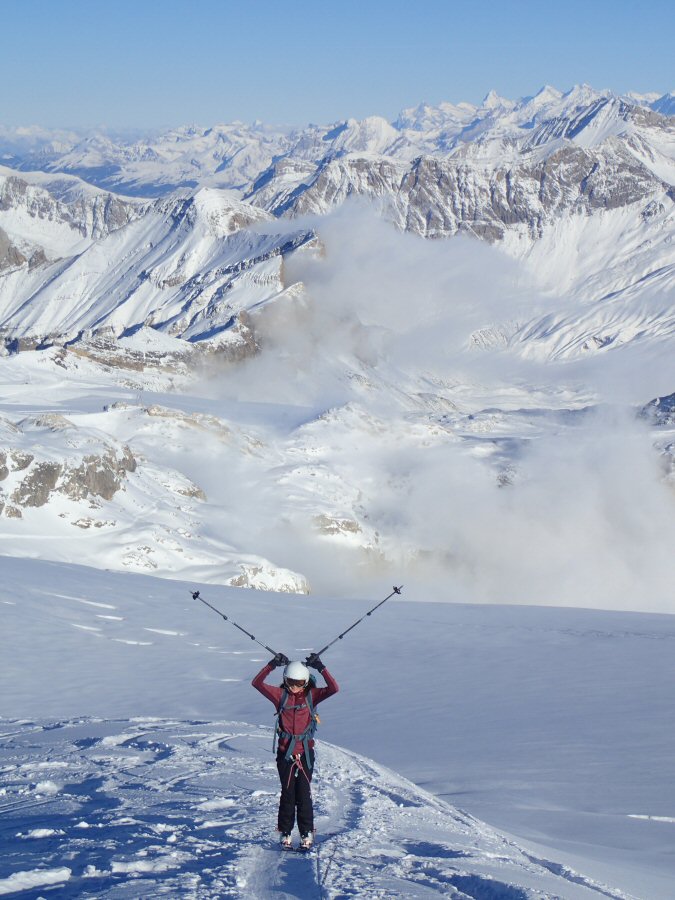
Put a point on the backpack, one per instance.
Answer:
(306, 736)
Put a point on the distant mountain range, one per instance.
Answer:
(285, 161)
(207, 249)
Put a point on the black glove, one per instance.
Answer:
(279, 660)
(314, 662)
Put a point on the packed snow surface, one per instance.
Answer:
(161, 808)
(136, 757)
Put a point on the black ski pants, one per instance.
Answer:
(296, 793)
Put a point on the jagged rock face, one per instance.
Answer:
(266, 577)
(92, 217)
(14, 461)
(440, 197)
(34, 478)
(334, 525)
(96, 477)
(38, 484)
(10, 255)
(660, 411)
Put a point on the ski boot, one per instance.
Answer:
(285, 841)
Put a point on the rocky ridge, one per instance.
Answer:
(81, 469)
(192, 268)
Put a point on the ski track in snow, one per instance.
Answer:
(158, 808)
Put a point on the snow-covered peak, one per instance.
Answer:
(665, 104)
(493, 102)
(547, 93)
(584, 95)
(238, 156)
(544, 97)
(425, 117)
(224, 213)
(643, 99)
(370, 135)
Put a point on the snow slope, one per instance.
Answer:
(119, 773)
(165, 809)
(186, 267)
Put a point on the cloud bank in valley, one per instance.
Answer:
(487, 477)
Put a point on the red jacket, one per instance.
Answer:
(294, 721)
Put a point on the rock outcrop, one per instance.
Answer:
(67, 468)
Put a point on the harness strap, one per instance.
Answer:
(297, 765)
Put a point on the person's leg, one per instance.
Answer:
(286, 817)
(303, 795)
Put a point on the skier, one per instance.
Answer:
(295, 700)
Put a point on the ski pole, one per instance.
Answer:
(196, 596)
(396, 590)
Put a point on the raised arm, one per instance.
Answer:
(321, 693)
(272, 692)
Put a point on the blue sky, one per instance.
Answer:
(151, 63)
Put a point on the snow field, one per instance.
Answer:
(151, 807)
(553, 725)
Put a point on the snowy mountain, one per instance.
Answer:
(533, 176)
(346, 330)
(435, 351)
(49, 217)
(186, 266)
(251, 356)
(237, 156)
(665, 104)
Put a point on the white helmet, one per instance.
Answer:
(296, 671)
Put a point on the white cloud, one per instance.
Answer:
(588, 519)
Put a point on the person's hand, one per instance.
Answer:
(314, 662)
(279, 660)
